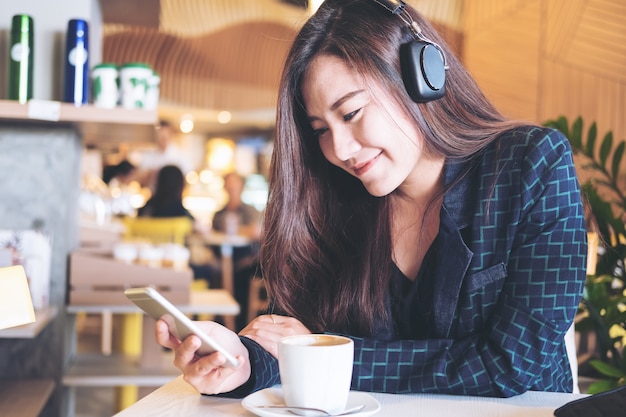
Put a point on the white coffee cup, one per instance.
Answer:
(105, 85)
(316, 371)
(134, 79)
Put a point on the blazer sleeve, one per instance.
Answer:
(264, 370)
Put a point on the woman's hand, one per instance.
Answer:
(208, 374)
(269, 329)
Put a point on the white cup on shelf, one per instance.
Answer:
(105, 84)
(134, 80)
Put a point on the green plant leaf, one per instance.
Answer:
(585, 325)
(563, 125)
(597, 294)
(592, 133)
(617, 159)
(591, 142)
(575, 135)
(619, 317)
(602, 386)
(601, 329)
(602, 279)
(559, 124)
(602, 212)
(603, 302)
(605, 148)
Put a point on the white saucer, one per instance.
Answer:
(274, 395)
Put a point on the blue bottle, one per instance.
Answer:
(76, 88)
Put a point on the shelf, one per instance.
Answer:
(94, 370)
(97, 126)
(31, 330)
(25, 397)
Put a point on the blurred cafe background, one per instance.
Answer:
(193, 84)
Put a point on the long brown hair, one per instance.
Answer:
(326, 246)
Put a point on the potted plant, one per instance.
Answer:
(602, 311)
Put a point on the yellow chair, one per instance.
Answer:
(158, 229)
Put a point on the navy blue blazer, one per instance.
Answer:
(512, 250)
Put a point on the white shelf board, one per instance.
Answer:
(96, 125)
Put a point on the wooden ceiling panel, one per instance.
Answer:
(251, 55)
(480, 16)
(448, 13)
(502, 53)
(227, 54)
(198, 17)
(589, 35)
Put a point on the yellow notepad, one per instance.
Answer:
(16, 306)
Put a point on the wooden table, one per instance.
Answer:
(177, 398)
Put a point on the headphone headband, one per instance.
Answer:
(397, 7)
(394, 6)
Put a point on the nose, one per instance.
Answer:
(344, 143)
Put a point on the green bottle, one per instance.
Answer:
(21, 58)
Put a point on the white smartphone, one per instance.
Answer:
(181, 326)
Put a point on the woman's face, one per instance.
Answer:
(361, 129)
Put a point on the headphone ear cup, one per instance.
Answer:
(423, 71)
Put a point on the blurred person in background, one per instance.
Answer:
(120, 174)
(167, 199)
(239, 218)
(167, 152)
(121, 180)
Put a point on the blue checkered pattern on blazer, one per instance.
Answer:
(513, 251)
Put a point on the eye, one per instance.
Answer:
(317, 133)
(350, 116)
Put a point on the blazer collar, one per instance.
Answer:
(454, 255)
(459, 199)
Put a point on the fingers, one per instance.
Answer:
(209, 374)
(206, 373)
(269, 320)
(185, 353)
(209, 377)
(163, 336)
(267, 330)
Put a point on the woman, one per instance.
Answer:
(167, 200)
(447, 241)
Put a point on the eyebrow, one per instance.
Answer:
(339, 102)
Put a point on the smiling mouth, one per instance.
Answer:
(361, 169)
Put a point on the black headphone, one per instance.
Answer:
(422, 61)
